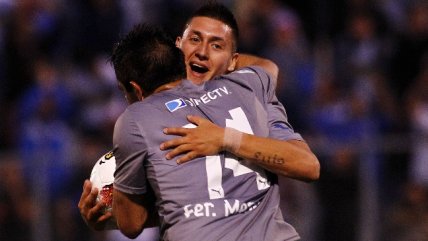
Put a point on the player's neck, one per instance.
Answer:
(167, 86)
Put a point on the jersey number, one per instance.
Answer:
(213, 165)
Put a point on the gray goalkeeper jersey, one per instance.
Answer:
(218, 197)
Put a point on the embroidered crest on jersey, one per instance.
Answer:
(176, 104)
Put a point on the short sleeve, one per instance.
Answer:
(130, 150)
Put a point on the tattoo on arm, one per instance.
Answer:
(268, 159)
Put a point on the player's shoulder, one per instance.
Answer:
(153, 103)
(253, 77)
(139, 112)
(250, 71)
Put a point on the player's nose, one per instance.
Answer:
(202, 52)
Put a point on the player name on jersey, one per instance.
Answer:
(206, 209)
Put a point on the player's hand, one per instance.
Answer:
(203, 140)
(90, 210)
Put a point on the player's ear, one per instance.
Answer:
(137, 90)
(232, 64)
(178, 42)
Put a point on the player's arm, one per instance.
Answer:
(133, 199)
(248, 60)
(131, 213)
(90, 210)
(292, 158)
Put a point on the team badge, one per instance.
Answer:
(176, 104)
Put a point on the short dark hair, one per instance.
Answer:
(218, 11)
(148, 56)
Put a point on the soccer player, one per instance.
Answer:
(209, 45)
(217, 197)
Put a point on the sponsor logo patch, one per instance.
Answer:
(174, 105)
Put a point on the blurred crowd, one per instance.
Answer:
(353, 78)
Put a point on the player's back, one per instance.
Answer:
(216, 197)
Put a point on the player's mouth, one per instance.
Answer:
(198, 68)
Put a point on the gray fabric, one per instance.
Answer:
(210, 198)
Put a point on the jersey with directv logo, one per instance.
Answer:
(218, 197)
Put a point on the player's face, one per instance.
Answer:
(208, 49)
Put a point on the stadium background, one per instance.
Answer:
(353, 78)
